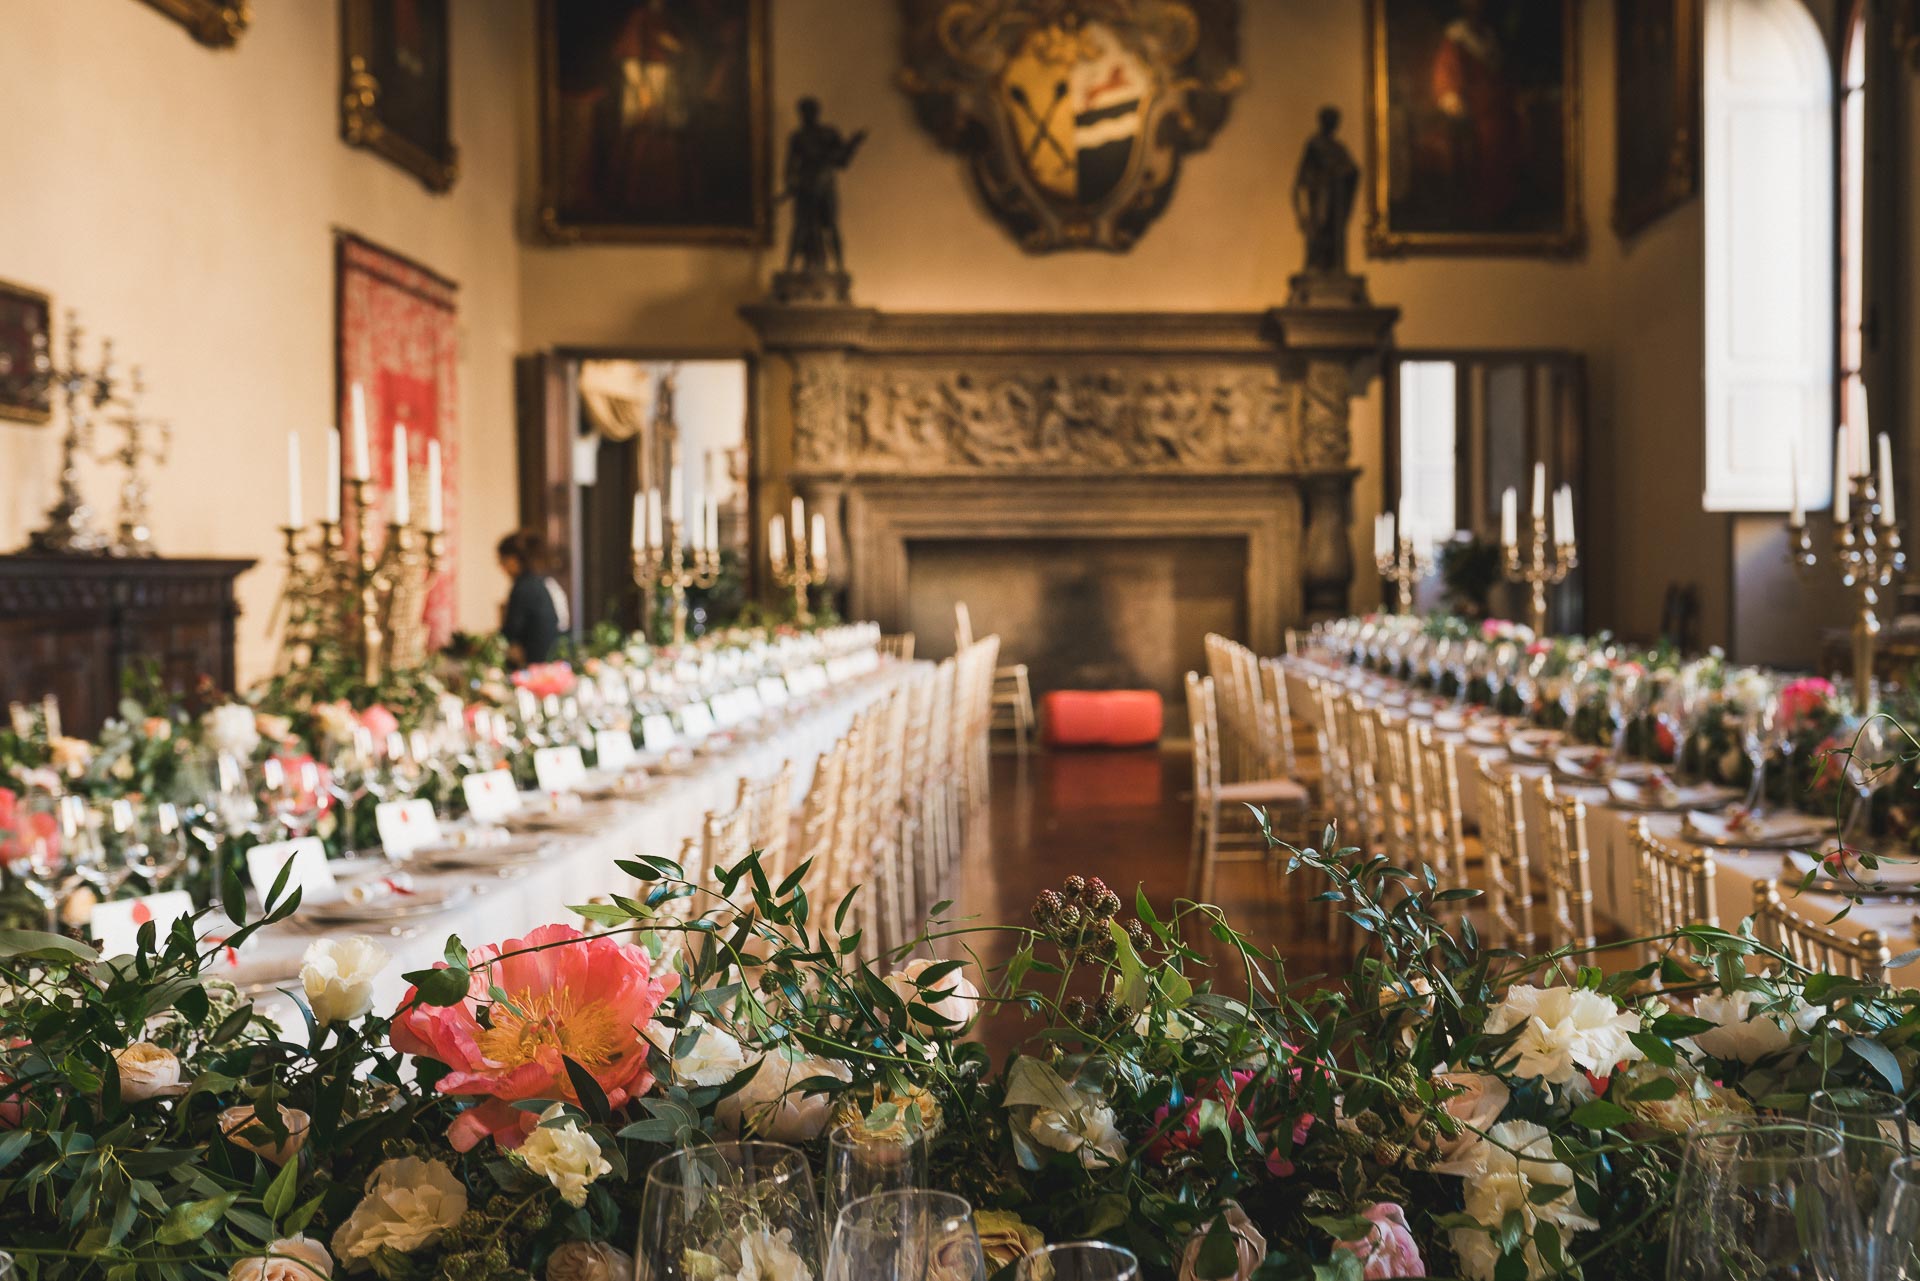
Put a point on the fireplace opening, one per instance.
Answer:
(1084, 613)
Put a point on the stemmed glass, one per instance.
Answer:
(1627, 693)
(1893, 1229)
(1756, 737)
(1865, 771)
(1078, 1261)
(728, 1209)
(906, 1236)
(292, 792)
(80, 834)
(152, 842)
(38, 857)
(1763, 1200)
(1874, 1133)
(863, 1165)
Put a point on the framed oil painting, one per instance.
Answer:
(26, 336)
(1656, 109)
(653, 121)
(1473, 129)
(396, 85)
(214, 23)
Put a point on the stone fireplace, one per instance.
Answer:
(1101, 489)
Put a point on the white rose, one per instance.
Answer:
(1477, 1106)
(1744, 1035)
(952, 998)
(713, 1056)
(565, 1156)
(1563, 1029)
(765, 1109)
(338, 977)
(294, 1258)
(147, 1071)
(1501, 1174)
(764, 1256)
(588, 1261)
(242, 1127)
(1087, 1130)
(409, 1204)
(229, 728)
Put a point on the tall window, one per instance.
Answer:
(1427, 448)
(1769, 177)
(1853, 216)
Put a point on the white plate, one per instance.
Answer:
(1769, 832)
(388, 907)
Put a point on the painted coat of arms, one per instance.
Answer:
(1074, 114)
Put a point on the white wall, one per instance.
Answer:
(183, 199)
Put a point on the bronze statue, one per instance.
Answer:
(1323, 192)
(815, 153)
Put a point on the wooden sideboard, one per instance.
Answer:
(74, 627)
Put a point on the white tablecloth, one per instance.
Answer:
(1610, 847)
(655, 822)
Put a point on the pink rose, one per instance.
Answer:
(1804, 699)
(1281, 1167)
(379, 722)
(1388, 1249)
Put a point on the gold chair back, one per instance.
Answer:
(1821, 948)
(1503, 833)
(1567, 870)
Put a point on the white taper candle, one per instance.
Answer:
(1509, 518)
(401, 482)
(294, 513)
(333, 476)
(1842, 510)
(362, 459)
(436, 510)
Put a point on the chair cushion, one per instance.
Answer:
(1272, 791)
(1101, 718)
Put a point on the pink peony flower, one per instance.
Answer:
(1388, 1249)
(379, 722)
(20, 830)
(1803, 700)
(589, 998)
(543, 679)
(1281, 1167)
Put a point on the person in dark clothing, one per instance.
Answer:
(531, 620)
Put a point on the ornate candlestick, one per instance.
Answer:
(806, 566)
(1867, 551)
(1541, 569)
(69, 529)
(666, 561)
(1403, 563)
(134, 537)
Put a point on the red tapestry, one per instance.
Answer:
(396, 339)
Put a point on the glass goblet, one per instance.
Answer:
(1893, 1228)
(1874, 1131)
(1763, 1200)
(913, 1235)
(728, 1209)
(1078, 1261)
(862, 1165)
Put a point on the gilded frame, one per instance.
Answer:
(554, 229)
(217, 24)
(15, 405)
(363, 122)
(1679, 181)
(1384, 240)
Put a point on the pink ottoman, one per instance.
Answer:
(1101, 718)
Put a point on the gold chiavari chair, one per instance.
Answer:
(939, 800)
(1273, 681)
(898, 645)
(1009, 695)
(1442, 827)
(886, 862)
(1399, 785)
(1672, 888)
(1821, 948)
(770, 804)
(1503, 833)
(1336, 760)
(1363, 759)
(1567, 869)
(1211, 794)
(819, 822)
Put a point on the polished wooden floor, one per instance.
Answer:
(1126, 817)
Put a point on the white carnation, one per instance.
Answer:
(409, 1203)
(1744, 1035)
(1564, 1030)
(565, 1156)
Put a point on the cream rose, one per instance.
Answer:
(765, 1108)
(588, 1261)
(564, 1155)
(409, 1203)
(1503, 1173)
(1088, 1131)
(953, 998)
(1005, 1238)
(1477, 1105)
(338, 975)
(274, 729)
(230, 728)
(147, 1071)
(243, 1127)
(294, 1258)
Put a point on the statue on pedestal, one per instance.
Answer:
(816, 266)
(1324, 187)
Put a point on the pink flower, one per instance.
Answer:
(1388, 1249)
(379, 722)
(543, 679)
(1803, 700)
(20, 829)
(1538, 647)
(1185, 1136)
(569, 996)
(1281, 1167)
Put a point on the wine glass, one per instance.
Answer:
(37, 855)
(728, 1209)
(291, 789)
(1763, 1200)
(860, 1164)
(234, 802)
(80, 833)
(1874, 1133)
(1865, 771)
(1078, 1261)
(912, 1235)
(1756, 736)
(160, 849)
(1626, 701)
(1893, 1229)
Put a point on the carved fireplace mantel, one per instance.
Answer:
(909, 426)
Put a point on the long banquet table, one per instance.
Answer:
(1610, 848)
(655, 821)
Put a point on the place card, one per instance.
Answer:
(311, 874)
(559, 769)
(773, 691)
(492, 796)
(116, 924)
(656, 731)
(405, 826)
(697, 721)
(613, 749)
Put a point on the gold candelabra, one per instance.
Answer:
(664, 560)
(1541, 569)
(369, 601)
(1404, 562)
(801, 569)
(1870, 558)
